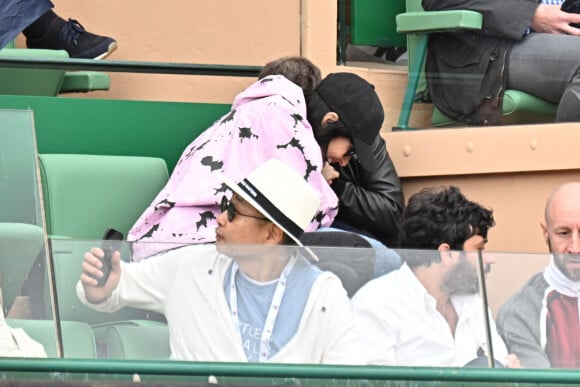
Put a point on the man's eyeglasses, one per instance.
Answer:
(227, 205)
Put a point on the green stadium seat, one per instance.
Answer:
(373, 23)
(46, 82)
(83, 196)
(86, 194)
(518, 107)
(78, 339)
(138, 342)
(26, 81)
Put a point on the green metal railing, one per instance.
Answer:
(132, 66)
(338, 374)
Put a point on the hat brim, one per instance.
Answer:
(238, 190)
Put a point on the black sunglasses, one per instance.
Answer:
(227, 205)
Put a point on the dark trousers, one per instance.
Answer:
(548, 66)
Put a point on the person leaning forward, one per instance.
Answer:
(224, 302)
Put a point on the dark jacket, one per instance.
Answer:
(467, 71)
(371, 201)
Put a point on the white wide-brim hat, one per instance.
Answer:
(281, 194)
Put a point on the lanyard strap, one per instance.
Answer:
(272, 312)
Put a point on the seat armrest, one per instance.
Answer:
(84, 81)
(438, 21)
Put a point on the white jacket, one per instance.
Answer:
(186, 285)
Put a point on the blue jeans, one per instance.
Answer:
(386, 260)
(16, 15)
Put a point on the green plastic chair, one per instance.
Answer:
(373, 23)
(518, 107)
(86, 194)
(83, 196)
(47, 82)
(78, 340)
(138, 342)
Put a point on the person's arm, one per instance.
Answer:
(552, 20)
(500, 352)
(518, 324)
(372, 201)
(501, 18)
(142, 285)
(377, 337)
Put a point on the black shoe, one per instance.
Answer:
(71, 36)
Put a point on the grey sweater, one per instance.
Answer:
(518, 323)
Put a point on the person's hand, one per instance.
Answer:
(92, 268)
(329, 172)
(512, 361)
(551, 19)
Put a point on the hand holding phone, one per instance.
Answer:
(111, 243)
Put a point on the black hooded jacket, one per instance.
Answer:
(371, 201)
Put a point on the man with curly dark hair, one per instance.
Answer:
(428, 312)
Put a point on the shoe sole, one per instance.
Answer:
(112, 47)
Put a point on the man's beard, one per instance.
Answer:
(462, 278)
(560, 262)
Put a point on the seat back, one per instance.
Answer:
(78, 339)
(138, 342)
(84, 195)
(373, 23)
(20, 244)
(346, 254)
(27, 81)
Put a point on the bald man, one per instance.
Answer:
(540, 322)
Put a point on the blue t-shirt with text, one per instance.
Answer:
(254, 301)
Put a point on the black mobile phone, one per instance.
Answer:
(571, 6)
(111, 243)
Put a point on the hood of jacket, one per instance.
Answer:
(272, 85)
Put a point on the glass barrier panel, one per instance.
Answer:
(535, 311)
(24, 332)
(278, 304)
(427, 313)
(18, 179)
(221, 303)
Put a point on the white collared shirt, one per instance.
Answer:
(399, 324)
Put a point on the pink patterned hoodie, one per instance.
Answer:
(267, 120)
